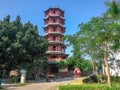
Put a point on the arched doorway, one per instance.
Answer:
(54, 69)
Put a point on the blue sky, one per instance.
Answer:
(76, 11)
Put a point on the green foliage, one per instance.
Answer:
(114, 9)
(20, 44)
(62, 64)
(98, 37)
(99, 64)
(115, 79)
(13, 79)
(83, 64)
(74, 42)
(89, 87)
(100, 79)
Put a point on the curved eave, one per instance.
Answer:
(52, 33)
(54, 24)
(55, 52)
(63, 54)
(52, 62)
(54, 8)
(53, 16)
(59, 25)
(57, 43)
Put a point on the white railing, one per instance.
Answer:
(54, 33)
(56, 41)
(54, 24)
(55, 52)
(54, 15)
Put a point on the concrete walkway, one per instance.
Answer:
(34, 86)
(39, 85)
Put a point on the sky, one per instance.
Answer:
(76, 12)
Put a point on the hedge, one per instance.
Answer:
(89, 87)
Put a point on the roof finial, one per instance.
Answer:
(55, 6)
(113, 0)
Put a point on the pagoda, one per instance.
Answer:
(54, 31)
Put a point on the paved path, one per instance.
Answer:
(39, 85)
(35, 86)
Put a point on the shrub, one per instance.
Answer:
(115, 79)
(14, 79)
(95, 79)
(89, 87)
(91, 79)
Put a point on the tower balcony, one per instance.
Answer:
(54, 33)
(55, 52)
(56, 42)
(56, 23)
(54, 60)
(54, 15)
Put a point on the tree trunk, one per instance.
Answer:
(93, 64)
(103, 68)
(95, 68)
(106, 63)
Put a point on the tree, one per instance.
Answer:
(62, 64)
(98, 36)
(20, 44)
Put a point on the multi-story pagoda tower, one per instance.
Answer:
(54, 31)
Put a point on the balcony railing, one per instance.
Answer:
(52, 41)
(55, 52)
(54, 33)
(54, 59)
(54, 24)
(54, 15)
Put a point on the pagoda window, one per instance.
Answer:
(46, 30)
(62, 30)
(62, 14)
(46, 14)
(54, 57)
(54, 38)
(61, 21)
(46, 22)
(54, 20)
(54, 11)
(54, 48)
(54, 29)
